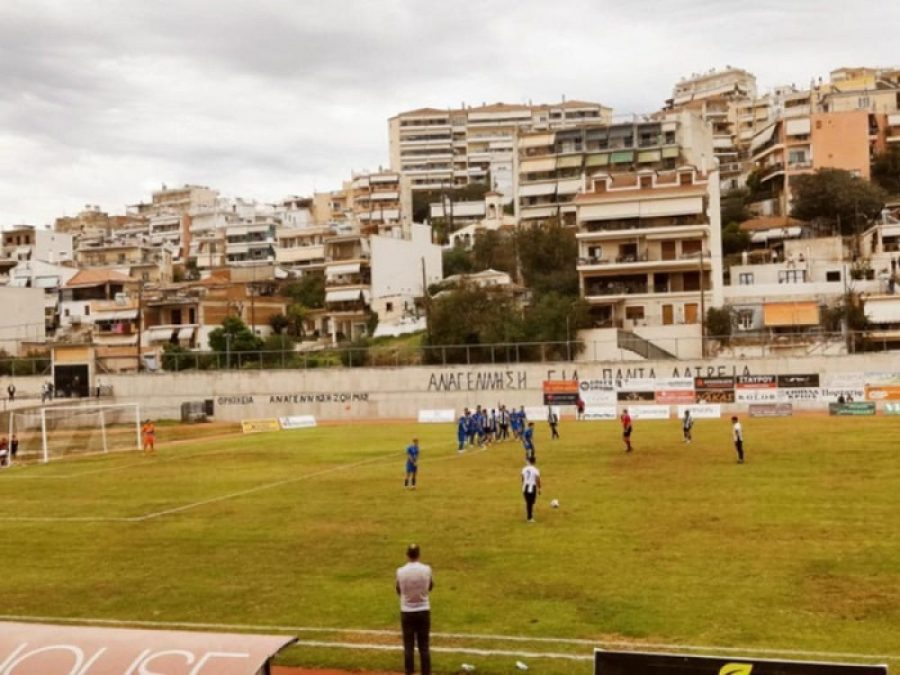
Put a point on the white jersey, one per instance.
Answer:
(737, 432)
(414, 582)
(530, 477)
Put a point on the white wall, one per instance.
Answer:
(21, 318)
(397, 263)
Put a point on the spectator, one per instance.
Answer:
(11, 391)
(414, 582)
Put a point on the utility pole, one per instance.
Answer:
(426, 300)
(140, 309)
(702, 309)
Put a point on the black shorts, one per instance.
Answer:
(626, 432)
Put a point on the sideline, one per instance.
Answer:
(748, 651)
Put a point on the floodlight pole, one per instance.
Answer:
(44, 433)
(103, 430)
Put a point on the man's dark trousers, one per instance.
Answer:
(416, 629)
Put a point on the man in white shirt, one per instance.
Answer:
(737, 434)
(414, 581)
(531, 487)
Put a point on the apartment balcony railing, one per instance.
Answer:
(771, 171)
(641, 258)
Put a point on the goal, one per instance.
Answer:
(53, 432)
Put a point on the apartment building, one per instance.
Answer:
(47, 277)
(437, 148)
(553, 167)
(649, 253)
(717, 96)
(93, 222)
(302, 250)
(802, 143)
(22, 318)
(366, 274)
(381, 203)
(137, 260)
(26, 242)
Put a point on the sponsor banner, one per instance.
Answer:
(539, 413)
(891, 409)
(636, 384)
(605, 412)
(648, 412)
(637, 396)
(715, 396)
(598, 396)
(882, 379)
(843, 409)
(756, 382)
(798, 381)
(844, 380)
(437, 416)
(622, 663)
(36, 649)
(260, 425)
(797, 394)
(298, 422)
(713, 383)
(755, 395)
(675, 396)
(701, 412)
(883, 393)
(771, 410)
(832, 394)
(561, 392)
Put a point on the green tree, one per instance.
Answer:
(548, 256)
(309, 291)
(493, 250)
(279, 323)
(235, 332)
(296, 316)
(886, 170)
(719, 322)
(734, 206)
(556, 318)
(734, 239)
(457, 261)
(175, 357)
(836, 197)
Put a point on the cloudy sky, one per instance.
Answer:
(102, 101)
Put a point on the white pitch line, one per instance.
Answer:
(581, 642)
(471, 651)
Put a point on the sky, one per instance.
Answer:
(103, 101)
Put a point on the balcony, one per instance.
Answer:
(771, 171)
(644, 260)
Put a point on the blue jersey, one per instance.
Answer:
(474, 423)
(412, 457)
(527, 439)
(462, 427)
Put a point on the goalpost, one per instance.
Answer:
(54, 432)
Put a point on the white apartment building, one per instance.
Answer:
(553, 167)
(302, 250)
(649, 254)
(454, 147)
(22, 318)
(372, 273)
(26, 242)
(381, 203)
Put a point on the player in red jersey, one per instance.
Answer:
(625, 418)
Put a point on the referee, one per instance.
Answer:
(531, 487)
(414, 581)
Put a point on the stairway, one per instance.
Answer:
(633, 342)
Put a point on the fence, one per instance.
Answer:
(624, 347)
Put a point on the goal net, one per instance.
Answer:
(54, 432)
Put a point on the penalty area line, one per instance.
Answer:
(483, 637)
(471, 651)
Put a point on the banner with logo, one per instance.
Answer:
(851, 409)
(700, 412)
(756, 382)
(755, 395)
(648, 412)
(891, 409)
(260, 425)
(597, 392)
(636, 396)
(832, 394)
(771, 410)
(798, 394)
(298, 422)
(888, 392)
(561, 392)
(715, 395)
(600, 413)
(713, 383)
(675, 396)
(628, 663)
(802, 381)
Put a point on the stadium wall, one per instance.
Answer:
(367, 393)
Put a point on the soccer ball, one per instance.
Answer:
(554, 503)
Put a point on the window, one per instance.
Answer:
(745, 319)
(862, 102)
(595, 252)
(745, 279)
(634, 313)
(87, 310)
(833, 275)
(791, 276)
(389, 307)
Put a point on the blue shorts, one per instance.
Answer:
(410, 467)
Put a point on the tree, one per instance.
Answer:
(234, 335)
(719, 322)
(836, 197)
(556, 318)
(548, 256)
(734, 239)
(886, 170)
(493, 250)
(309, 291)
(279, 322)
(457, 261)
(734, 206)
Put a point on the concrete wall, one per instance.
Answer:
(21, 317)
(401, 392)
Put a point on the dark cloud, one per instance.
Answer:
(103, 100)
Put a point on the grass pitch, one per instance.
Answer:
(798, 549)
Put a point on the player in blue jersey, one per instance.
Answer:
(474, 424)
(412, 464)
(462, 430)
(528, 441)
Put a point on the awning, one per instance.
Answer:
(46, 282)
(670, 152)
(781, 314)
(797, 127)
(346, 268)
(649, 156)
(37, 649)
(537, 165)
(186, 333)
(622, 157)
(535, 140)
(570, 162)
(117, 315)
(159, 334)
(883, 310)
(568, 187)
(762, 138)
(537, 189)
(597, 160)
(345, 295)
(775, 233)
